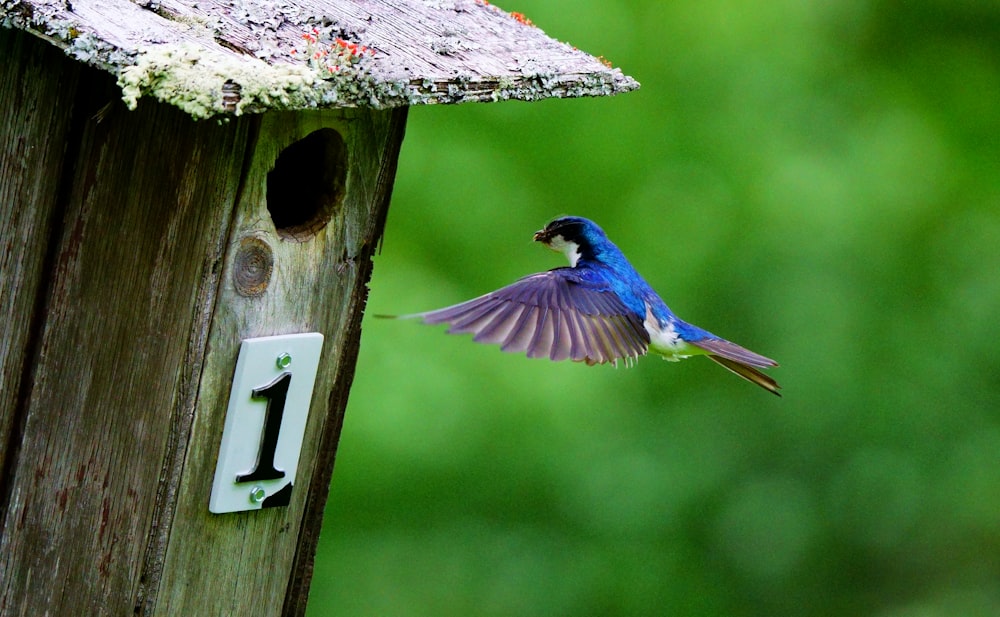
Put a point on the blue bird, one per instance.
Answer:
(597, 310)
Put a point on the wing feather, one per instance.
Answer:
(578, 353)
(553, 315)
(541, 342)
(520, 334)
(601, 331)
(502, 322)
(462, 315)
(474, 320)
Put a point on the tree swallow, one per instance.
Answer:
(597, 310)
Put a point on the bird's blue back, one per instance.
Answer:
(603, 263)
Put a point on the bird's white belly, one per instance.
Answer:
(664, 340)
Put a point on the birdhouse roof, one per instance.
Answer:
(212, 57)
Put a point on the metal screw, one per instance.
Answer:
(284, 360)
(257, 494)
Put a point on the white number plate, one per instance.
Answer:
(265, 422)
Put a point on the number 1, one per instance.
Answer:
(275, 393)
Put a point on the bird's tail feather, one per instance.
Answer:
(732, 351)
(741, 361)
(747, 372)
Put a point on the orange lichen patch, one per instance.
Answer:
(352, 49)
(520, 18)
(330, 56)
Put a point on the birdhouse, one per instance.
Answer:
(190, 196)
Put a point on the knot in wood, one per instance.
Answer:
(252, 267)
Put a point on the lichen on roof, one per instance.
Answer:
(213, 57)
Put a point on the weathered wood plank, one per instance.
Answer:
(217, 56)
(138, 323)
(319, 489)
(148, 208)
(34, 135)
(316, 285)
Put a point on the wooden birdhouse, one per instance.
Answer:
(190, 196)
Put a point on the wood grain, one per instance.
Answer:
(33, 142)
(142, 237)
(148, 202)
(336, 403)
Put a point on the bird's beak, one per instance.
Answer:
(541, 236)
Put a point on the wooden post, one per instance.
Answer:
(135, 261)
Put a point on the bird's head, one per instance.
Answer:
(573, 236)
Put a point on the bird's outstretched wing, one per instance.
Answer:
(550, 314)
(741, 361)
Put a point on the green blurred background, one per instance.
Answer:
(818, 181)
